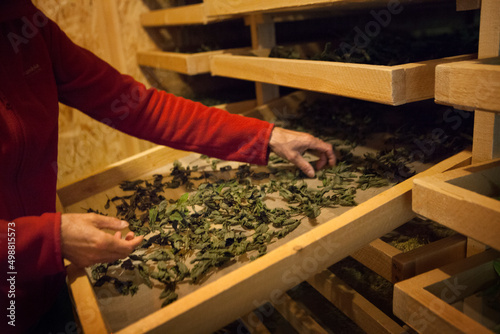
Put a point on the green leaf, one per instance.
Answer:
(496, 265)
(183, 199)
(153, 213)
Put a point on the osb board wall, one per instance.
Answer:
(111, 30)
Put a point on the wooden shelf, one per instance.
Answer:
(231, 7)
(392, 85)
(362, 312)
(395, 265)
(469, 85)
(207, 306)
(423, 302)
(461, 200)
(186, 63)
(183, 15)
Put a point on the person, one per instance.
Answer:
(39, 67)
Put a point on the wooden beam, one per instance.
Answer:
(469, 85)
(254, 324)
(230, 7)
(366, 315)
(182, 15)
(378, 257)
(461, 198)
(297, 316)
(424, 301)
(393, 85)
(89, 314)
(186, 63)
(263, 35)
(428, 257)
(486, 141)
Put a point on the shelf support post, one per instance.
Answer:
(263, 37)
(486, 139)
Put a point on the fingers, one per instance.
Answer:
(324, 151)
(323, 160)
(129, 236)
(111, 223)
(113, 248)
(303, 165)
(291, 144)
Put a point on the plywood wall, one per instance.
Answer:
(110, 29)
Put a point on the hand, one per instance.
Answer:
(291, 145)
(84, 243)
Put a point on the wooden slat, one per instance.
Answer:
(186, 63)
(459, 200)
(208, 306)
(263, 35)
(393, 85)
(182, 15)
(89, 315)
(428, 257)
(378, 257)
(417, 300)
(297, 316)
(486, 141)
(126, 169)
(254, 324)
(226, 7)
(230, 7)
(469, 85)
(366, 315)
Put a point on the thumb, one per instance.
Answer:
(111, 223)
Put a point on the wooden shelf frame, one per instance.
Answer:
(460, 199)
(231, 7)
(362, 312)
(470, 85)
(185, 63)
(207, 307)
(182, 15)
(392, 85)
(417, 300)
(395, 265)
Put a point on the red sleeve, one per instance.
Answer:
(32, 267)
(89, 84)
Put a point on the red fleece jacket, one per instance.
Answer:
(40, 66)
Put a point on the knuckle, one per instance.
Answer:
(101, 243)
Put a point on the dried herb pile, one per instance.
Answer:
(226, 216)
